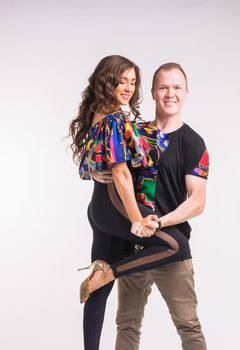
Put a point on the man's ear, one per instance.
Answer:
(153, 95)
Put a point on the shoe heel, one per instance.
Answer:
(85, 268)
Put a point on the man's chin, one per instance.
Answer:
(170, 114)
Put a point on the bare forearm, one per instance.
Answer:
(187, 210)
(124, 185)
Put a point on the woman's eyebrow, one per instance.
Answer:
(121, 77)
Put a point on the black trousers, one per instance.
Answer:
(111, 240)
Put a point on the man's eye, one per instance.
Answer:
(162, 88)
(178, 88)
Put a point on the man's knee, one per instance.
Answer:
(133, 292)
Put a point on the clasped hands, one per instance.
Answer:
(146, 227)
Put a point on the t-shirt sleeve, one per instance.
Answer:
(197, 159)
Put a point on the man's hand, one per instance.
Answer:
(150, 221)
(103, 176)
(147, 227)
(150, 224)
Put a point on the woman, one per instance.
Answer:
(104, 137)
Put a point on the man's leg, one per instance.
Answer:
(176, 284)
(133, 291)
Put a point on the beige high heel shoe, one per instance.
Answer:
(97, 265)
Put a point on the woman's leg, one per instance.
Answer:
(110, 249)
(163, 248)
(156, 255)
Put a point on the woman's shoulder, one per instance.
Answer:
(116, 124)
(113, 139)
(146, 128)
(104, 119)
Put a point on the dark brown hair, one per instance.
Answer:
(99, 97)
(169, 66)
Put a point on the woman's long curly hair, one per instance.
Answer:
(99, 97)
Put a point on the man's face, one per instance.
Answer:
(169, 92)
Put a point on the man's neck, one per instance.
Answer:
(167, 124)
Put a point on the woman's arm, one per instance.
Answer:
(124, 185)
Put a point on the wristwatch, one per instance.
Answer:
(159, 223)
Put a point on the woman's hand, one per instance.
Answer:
(146, 232)
(146, 227)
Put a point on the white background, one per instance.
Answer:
(48, 50)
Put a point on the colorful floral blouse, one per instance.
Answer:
(116, 139)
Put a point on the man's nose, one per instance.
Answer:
(170, 92)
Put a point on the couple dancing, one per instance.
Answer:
(139, 213)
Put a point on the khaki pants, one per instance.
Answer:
(176, 285)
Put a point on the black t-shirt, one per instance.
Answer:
(186, 154)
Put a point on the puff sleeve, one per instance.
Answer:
(113, 139)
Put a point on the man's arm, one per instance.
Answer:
(192, 206)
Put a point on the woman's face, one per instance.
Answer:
(126, 87)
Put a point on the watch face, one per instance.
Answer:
(159, 222)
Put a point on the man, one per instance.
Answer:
(180, 195)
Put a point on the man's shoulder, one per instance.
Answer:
(191, 135)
